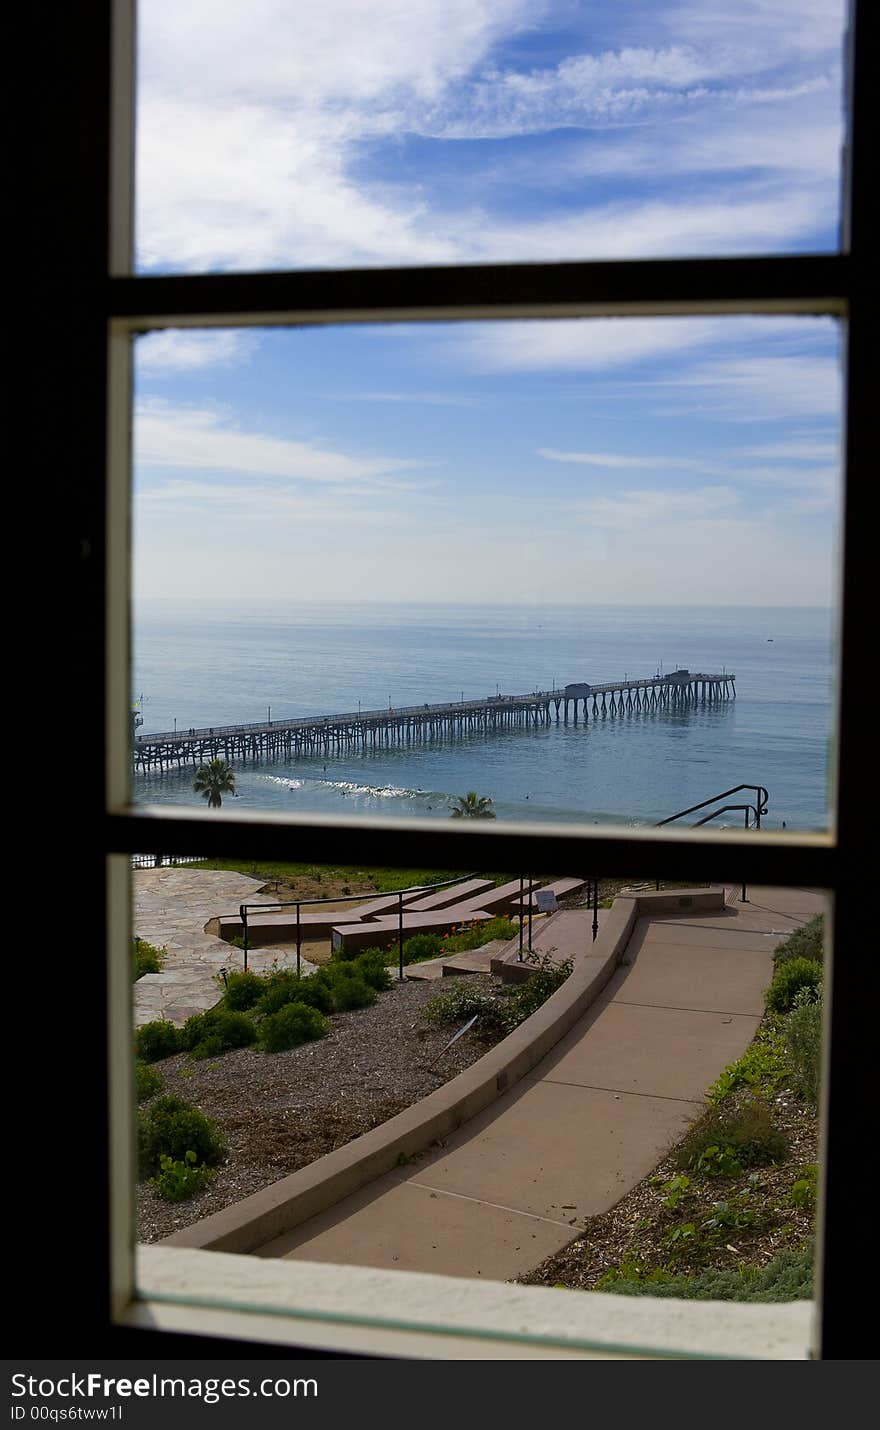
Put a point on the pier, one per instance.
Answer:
(328, 735)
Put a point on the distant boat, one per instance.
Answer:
(769, 640)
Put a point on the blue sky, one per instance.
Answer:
(684, 460)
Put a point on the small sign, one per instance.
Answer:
(545, 901)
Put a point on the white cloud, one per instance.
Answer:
(185, 350)
(254, 122)
(770, 387)
(600, 344)
(577, 344)
(204, 439)
(629, 509)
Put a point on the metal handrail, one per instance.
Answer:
(760, 806)
(345, 899)
(757, 809)
(411, 889)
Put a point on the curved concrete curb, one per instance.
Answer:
(292, 1200)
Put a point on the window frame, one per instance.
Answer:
(80, 238)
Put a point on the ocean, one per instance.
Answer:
(203, 664)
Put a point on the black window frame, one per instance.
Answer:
(68, 148)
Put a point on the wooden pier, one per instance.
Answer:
(328, 735)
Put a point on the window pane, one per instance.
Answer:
(603, 1164)
(448, 131)
(580, 570)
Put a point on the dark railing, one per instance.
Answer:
(346, 899)
(758, 808)
(754, 810)
(411, 889)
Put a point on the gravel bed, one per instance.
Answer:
(281, 1111)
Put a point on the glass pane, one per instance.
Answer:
(447, 131)
(373, 1112)
(581, 571)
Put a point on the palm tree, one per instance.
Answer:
(473, 806)
(213, 780)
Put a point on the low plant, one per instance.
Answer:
(373, 970)
(788, 981)
(521, 1000)
(179, 1179)
(728, 1138)
(802, 1031)
(788, 1277)
(345, 986)
(217, 1031)
(803, 1192)
(716, 1161)
(243, 991)
(284, 986)
(293, 1024)
(677, 1191)
(806, 942)
(170, 1127)
(157, 1040)
(421, 946)
(147, 1080)
(146, 958)
(462, 1003)
(763, 1067)
(476, 934)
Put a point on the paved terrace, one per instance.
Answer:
(599, 1111)
(171, 908)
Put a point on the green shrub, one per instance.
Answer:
(211, 1046)
(802, 1031)
(762, 1068)
(283, 987)
(520, 1000)
(177, 1181)
(475, 935)
(220, 1029)
(293, 1024)
(806, 942)
(157, 1040)
(728, 1138)
(345, 986)
(243, 991)
(462, 1003)
(373, 970)
(788, 1277)
(421, 946)
(352, 993)
(147, 1081)
(146, 958)
(789, 979)
(803, 1192)
(170, 1127)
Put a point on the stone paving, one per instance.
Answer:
(170, 909)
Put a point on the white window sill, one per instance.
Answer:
(445, 1318)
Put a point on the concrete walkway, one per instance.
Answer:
(170, 909)
(516, 1182)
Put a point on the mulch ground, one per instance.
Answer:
(281, 1111)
